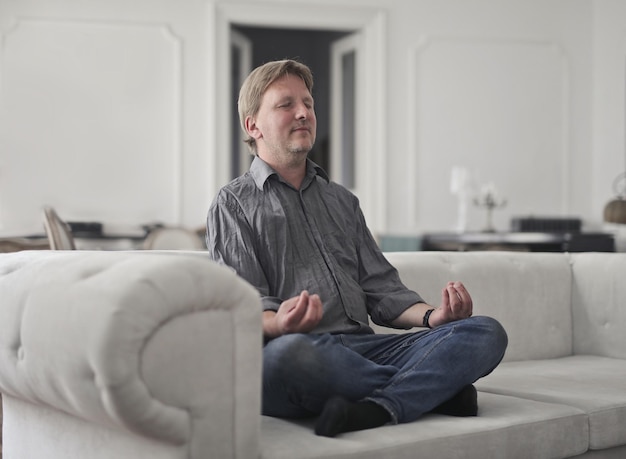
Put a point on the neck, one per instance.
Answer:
(293, 172)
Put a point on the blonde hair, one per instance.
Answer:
(258, 81)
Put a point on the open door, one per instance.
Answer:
(241, 62)
(370, 109)
(345, 107)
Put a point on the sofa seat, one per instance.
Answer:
(593, 384)
(523, 428)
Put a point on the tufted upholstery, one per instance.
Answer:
(565, 316)
(506, 286)
(151, 343)
(152, 354)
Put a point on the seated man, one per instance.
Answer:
(302, 241)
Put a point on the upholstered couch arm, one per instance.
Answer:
(165, 345)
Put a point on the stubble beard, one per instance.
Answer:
(298, 151)
(291, 154)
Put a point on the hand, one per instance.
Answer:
(456, 304)
(299, 314)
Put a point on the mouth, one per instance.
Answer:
(301, 129)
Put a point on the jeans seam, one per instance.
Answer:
(382, 402)
(397, 349)
(426, 355)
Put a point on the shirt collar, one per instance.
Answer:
(261, 171)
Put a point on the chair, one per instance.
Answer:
(173, 238)
(59, 233)
(16, 244)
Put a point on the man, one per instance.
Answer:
(302, 241)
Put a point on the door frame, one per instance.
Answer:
(373, 128)
(340, 114)
(244, 46)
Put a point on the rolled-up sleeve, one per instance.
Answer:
(387, 296)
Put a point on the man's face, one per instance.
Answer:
(284, 127)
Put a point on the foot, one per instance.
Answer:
(340, 415)
(464, 403)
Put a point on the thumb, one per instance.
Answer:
(445, 299)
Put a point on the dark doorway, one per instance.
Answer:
(311, 47)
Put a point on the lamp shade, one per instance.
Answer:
(615, 211)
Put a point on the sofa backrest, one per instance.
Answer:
(599, 303)
(529, 293)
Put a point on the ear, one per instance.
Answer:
(252, 129)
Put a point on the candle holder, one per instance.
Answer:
(489, 200)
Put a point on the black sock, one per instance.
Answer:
(464, 403)
(339, 415)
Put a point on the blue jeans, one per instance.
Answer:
(408, 374)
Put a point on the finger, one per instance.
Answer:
(455, 298)
(456, 303)
(314, 311)
(310, 316)
(445, 300)
(299, 310)
(463, 293)
(466, 299)
(315, 303)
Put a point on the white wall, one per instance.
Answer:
(109, 108)
(105, 112)
(500, 88)
(609, 99)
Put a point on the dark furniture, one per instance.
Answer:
(521, 241)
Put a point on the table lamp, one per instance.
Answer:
(615, 210)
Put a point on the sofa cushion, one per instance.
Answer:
(592, 384)
(598, 293)
(522, 428)
(529, 293)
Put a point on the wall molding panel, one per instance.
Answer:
(120, 111)
(93, 111)
(499, 108)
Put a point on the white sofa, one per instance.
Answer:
(157, 355)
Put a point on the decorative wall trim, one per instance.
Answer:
(371, 22)
(416, 53)
(177, 148)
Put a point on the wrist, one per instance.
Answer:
(426, 319)
(271, 329)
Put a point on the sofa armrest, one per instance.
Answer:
(164, 345)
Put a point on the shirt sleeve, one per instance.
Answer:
(230, 241)
(387, 296)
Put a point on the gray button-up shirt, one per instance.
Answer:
(283, 241)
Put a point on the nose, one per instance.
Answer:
(302, 112)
